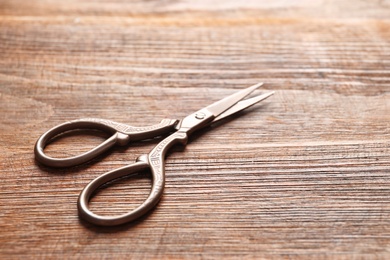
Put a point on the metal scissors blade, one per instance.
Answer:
(222, 105)
(220, 109)
(243, 105)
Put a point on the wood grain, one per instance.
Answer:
(304, 175)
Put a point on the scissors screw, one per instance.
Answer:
(200, 115)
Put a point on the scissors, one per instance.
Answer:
(153, 161)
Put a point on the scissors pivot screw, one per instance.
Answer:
(200, 115)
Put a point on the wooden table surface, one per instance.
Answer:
(306, 174)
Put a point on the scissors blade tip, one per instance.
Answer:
(266, 95)
(258, 84)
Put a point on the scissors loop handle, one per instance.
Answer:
(154, 161)
(121, 134)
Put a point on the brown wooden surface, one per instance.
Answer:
(304, 175)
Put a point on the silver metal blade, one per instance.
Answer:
(243, 105)
(222, 105)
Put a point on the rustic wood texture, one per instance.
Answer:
(304, 175)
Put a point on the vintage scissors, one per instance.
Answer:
(153, 161)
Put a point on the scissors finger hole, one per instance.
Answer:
(74, 142)
(121, 195)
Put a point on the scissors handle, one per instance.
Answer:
(154, 162)
(121, 135)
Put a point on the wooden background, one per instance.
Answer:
(304, 175)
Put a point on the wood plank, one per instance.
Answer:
(304, 175)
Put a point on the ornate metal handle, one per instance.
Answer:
(154, 161)
(121, 135)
